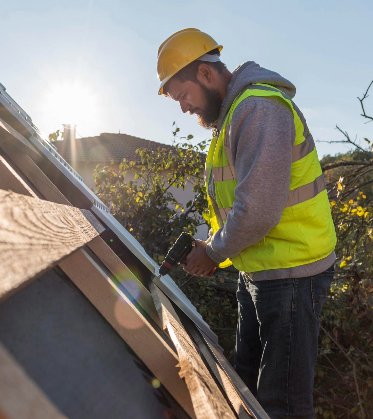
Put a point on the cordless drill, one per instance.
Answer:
(178, 252)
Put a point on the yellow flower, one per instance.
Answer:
(343, 264)
(345, 287)
(345, 261)
(360, 211)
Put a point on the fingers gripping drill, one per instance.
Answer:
(177, 253)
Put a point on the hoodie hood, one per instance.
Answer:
(249, 73)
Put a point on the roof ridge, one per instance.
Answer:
(109, 147)
(103, 134)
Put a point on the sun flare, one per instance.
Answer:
(71, 103)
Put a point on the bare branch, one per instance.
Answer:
(362, 102)
(357, 187)
(334, 367)
(352, 363)
(348, 139)
(330, 142)
(346, 163)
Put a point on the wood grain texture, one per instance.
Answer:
(220, 375)
(208, 400)
(35, 234)
(255, 408)
(20, 398)
(128, 322)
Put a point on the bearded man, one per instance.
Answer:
(269, 214)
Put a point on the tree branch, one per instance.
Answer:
(357, 187)
(346, 163)
(362, 102)
(352, 363)
(348, 139)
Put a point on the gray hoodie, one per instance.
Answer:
(260, 141)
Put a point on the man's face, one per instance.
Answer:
(195, 98)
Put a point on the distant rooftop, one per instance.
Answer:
(106, 147)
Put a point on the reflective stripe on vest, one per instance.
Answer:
(306, 192)
(223, 212)
(223, 173)
(301, 150)
(298, 152)
(296, 196)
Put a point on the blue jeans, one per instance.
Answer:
(276, 343)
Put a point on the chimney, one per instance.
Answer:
(68, 149)
(69, 133)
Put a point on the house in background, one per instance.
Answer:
(84, 154)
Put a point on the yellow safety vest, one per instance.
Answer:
(306, 231)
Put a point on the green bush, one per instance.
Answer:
(344, 381)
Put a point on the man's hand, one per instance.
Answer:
(198, 262)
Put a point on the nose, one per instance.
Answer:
(184, 106)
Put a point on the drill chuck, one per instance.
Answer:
(177, 253)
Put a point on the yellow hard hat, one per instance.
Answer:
(180, 49)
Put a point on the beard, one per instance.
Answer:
(208, 116)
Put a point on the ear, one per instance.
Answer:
(205, 74)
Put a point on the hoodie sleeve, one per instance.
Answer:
(261, 139)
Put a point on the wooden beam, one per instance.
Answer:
(128, 322)
(11, 181)
(250, 401)
(16, 152)
(125, 277)
(35, 234)
(9, 119)
(241, 409)
(38, 169)
(207, 398)
(20, 397)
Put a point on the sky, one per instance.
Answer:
(93, 63)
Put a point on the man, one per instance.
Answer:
(269, 214)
